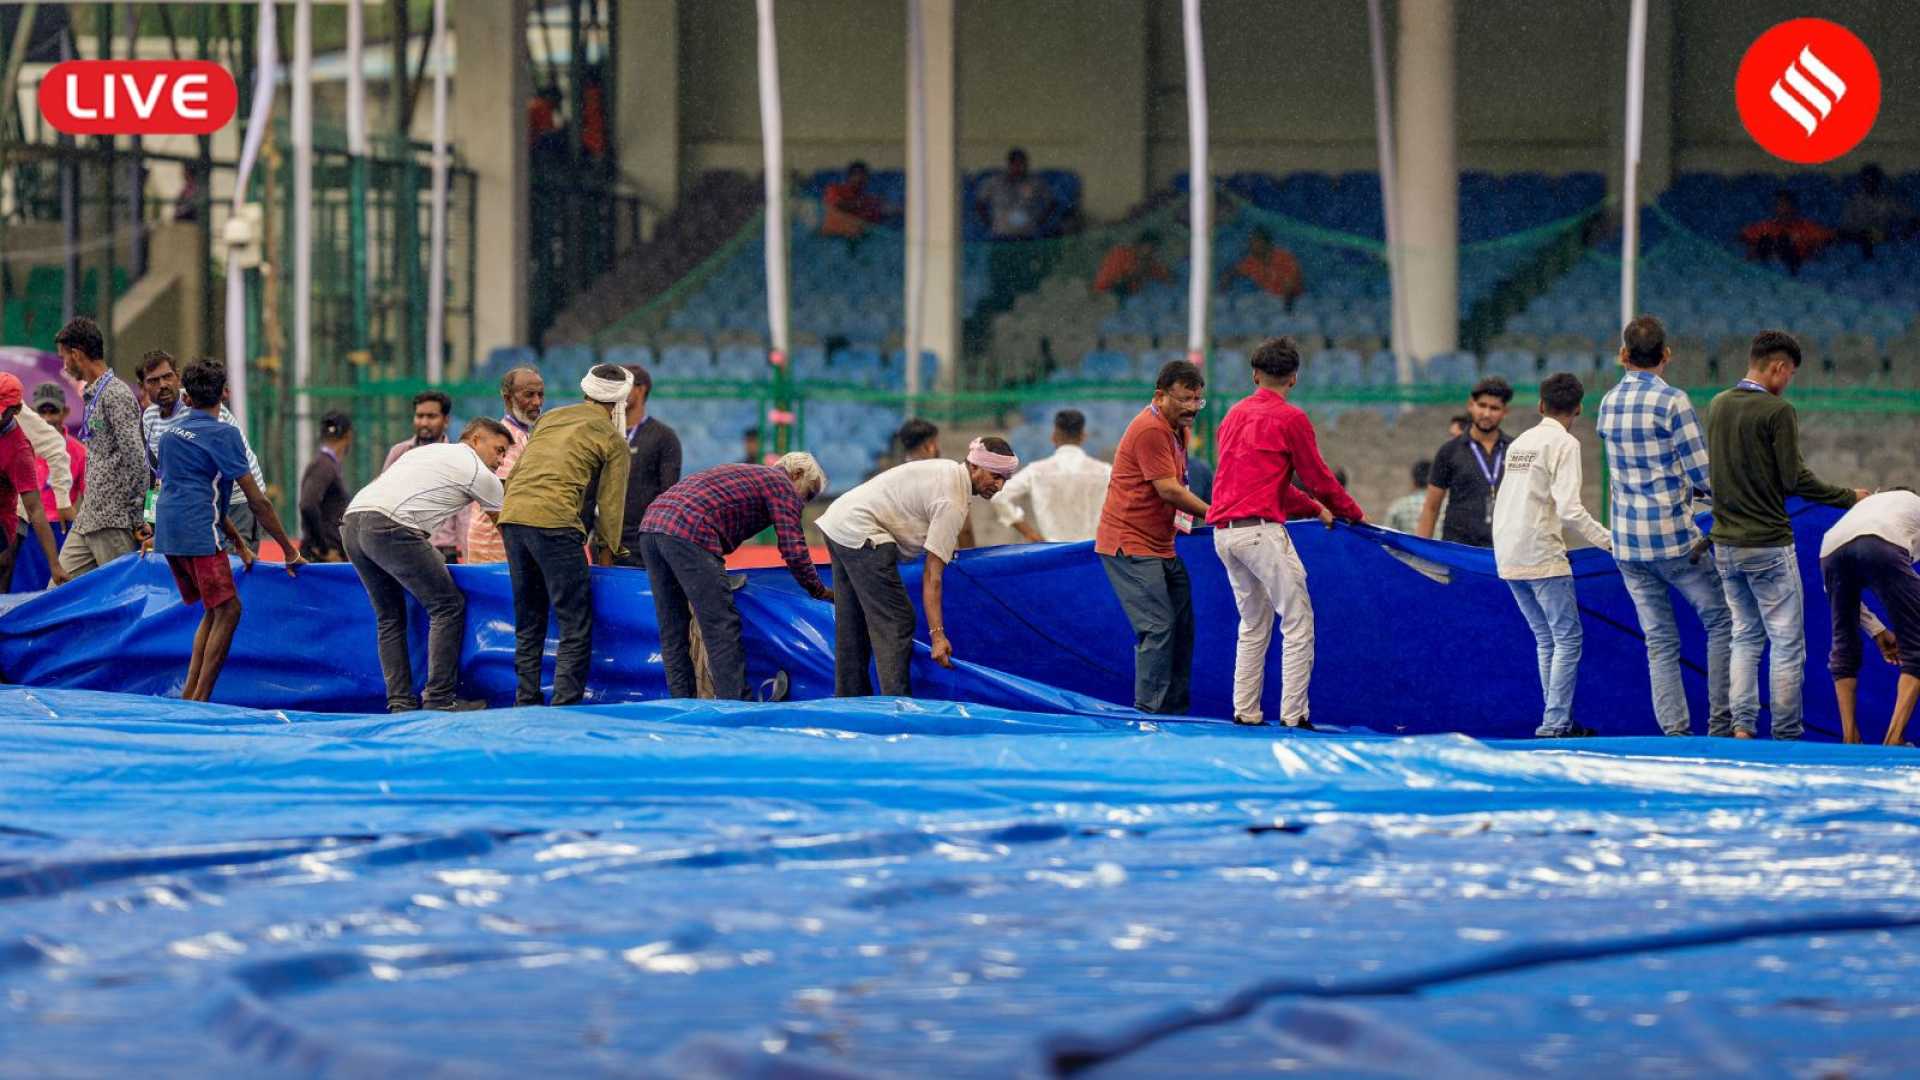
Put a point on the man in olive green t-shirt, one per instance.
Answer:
(575, 463)
(1753, 451)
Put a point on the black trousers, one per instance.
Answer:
(873, 621)
(549, 571)
(1871, 563)
(393, 561)
(685, 574)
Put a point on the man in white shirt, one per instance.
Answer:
(1538, 500)
(910, 508)
(387, 532)
(1066, 490)
(1874, 546)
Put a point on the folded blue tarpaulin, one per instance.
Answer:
(1411, 636)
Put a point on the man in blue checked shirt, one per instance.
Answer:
(1657, 458)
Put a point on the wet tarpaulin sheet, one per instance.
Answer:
(1410, 636)
(900, 888)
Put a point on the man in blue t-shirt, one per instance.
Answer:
(200, 459)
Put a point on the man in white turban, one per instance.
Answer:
(572, 476)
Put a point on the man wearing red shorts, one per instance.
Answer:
(200, 459)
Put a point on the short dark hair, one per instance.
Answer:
(994, 444)
(440, 396)
(915, 434)
(640, 378)
(1561, 393)
(1149, 238)
(1460, 418)
(203, 382)
(153, 359)
(1492, 386)
(1178, 373)
(1768, 343)
(1422, 470)
(856, 163)
(1017, 153)
(1070, 424)
(1645, 339)
(507, 378)
(83, 334)
(484, 425)
(335, 424)
(1277, 357)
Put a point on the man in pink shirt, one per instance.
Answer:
(50, 401)
(1263, 441)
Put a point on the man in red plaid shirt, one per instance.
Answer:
(685, 538)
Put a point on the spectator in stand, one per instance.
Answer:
(911, 508)
(1199, 469)
(653, 466)
(159, 378)
(432, 410)
(1404, 514)
(323, 494)
(919, 440)
(1753, 442)
(1538, 502)
(201, 458)
(1786, 236)
(19, 484)
(1458, 424)
(389, 536)
(1265, 442)
(1066, 489)
(1128, 267)
(1014, 206)
(850, 207)
(111, 516)
(1874, 215)
(750, 447)
(1874, 546)
(524, 392)
(1272, 269)
(1148, 503)
(1467, 469)
(574, 469)
(687, 535)
(1657, 462)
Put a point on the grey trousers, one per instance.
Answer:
(1158, 600)
(687, 575)
(393, 561)
(873, 621)
(89, 551)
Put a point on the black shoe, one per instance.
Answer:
(1302, 724)
(1245, 722)
(459, 705)
(1574, 731)
(406, 707)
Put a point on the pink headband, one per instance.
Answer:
(1001, 465)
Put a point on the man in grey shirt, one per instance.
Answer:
(116, 487)
(1014, 205)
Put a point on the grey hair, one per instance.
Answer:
(507, 380)
(802, 467)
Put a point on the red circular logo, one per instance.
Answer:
(1808, 90)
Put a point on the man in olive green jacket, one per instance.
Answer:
(574, 469)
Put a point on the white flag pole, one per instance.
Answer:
(266, 64)
(1389, 198)
(301, 82)
(917, 197)
(437, 221)
(1200, 188)
(1630, 176)
(772, 141)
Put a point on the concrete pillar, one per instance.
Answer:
(1429, 176)
(646, 96)
(933, 198)
(491, 89)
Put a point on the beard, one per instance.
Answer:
(525, 417)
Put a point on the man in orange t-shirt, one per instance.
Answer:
(1271, 269)
(1148, 502)
(850, 207)
(1127, 267)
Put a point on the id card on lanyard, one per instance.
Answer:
(86, 414)
(1182, 520)
(1492, 470)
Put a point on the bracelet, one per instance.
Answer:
(936, 632)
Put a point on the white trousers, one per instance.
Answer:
(1268, 579)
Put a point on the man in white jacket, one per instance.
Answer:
(1538, 500)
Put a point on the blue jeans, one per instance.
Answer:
(1649, 582)
(1554, 615)
(1763, 591)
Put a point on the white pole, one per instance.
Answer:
(267, 59)
(437, 244)
(302, 132)
(917, 196)
(1389, 193)
(356, 78)
(1200, 187)
(772, 136)
(1630, 177)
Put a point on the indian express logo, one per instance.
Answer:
(1799, 98)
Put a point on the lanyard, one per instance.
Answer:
(1179, 444)
(86, 414)
(1749, 384)
(329, 452)
(1492, 471)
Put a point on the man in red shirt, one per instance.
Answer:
(1147, 503)
(850, 207)
(1263, 442)
(18, 477)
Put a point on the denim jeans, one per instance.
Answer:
(393, 561)
(548, 568)
(685, 575)
(1698, 583)
(1554, 614)
(1763, 592)
(1158, 599)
